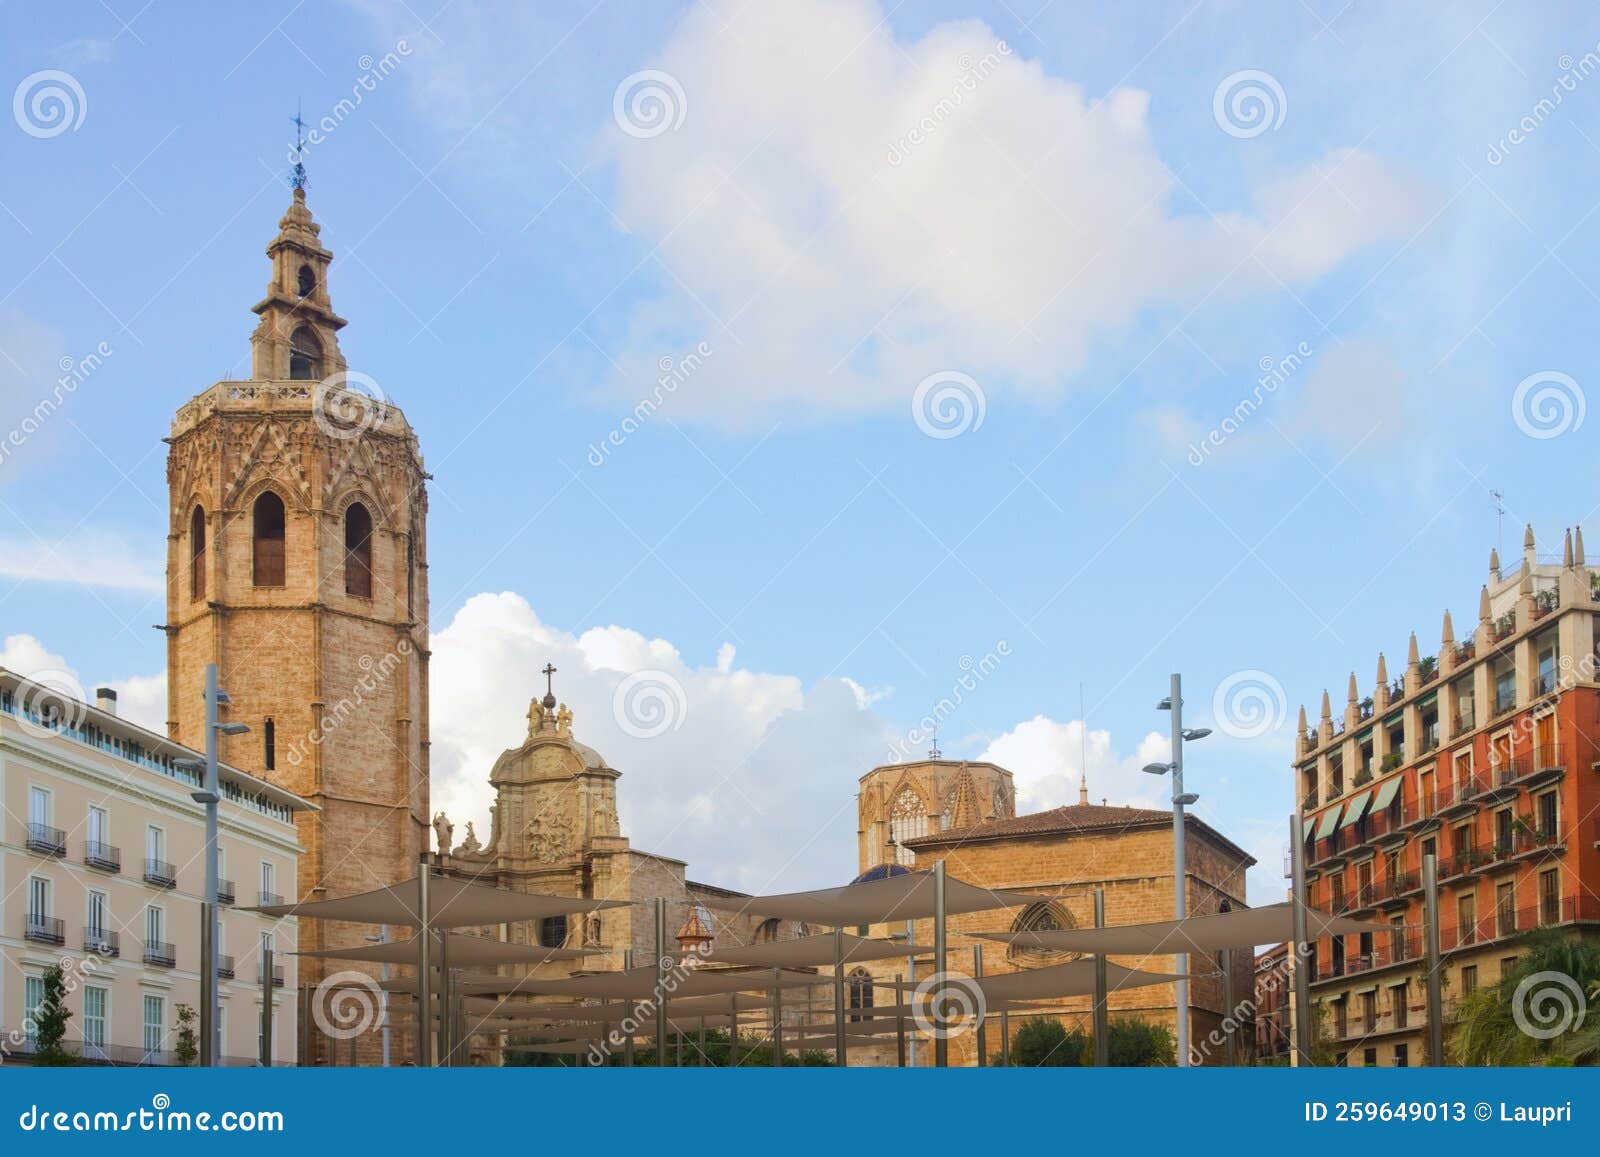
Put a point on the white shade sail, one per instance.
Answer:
(908, 896)
(1244, 928)
(640, 983)
(1075, 978)
(816, 951)
(465, 952)
(454, 903)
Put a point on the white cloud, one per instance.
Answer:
(1047, 759)
(90, 558)
(1355, 395)
(1028, 222)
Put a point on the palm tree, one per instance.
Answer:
(1486, 1029)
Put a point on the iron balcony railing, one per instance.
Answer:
(225, 892)
(43, 929)
(102, 942)
(267, 898)
(159, 952)
(46, 840)
(160, 873)
(225, 966)
(102, 856)
(277, 975)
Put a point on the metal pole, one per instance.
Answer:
(627, 1040)
(1228, 1023)
(983, 1036)
(941, 1046)
(266, 1008)
(839, 997)
(700, 1040)
(1300, 959)
(777, 1018)
(424, 964)
(1430, 933)
(661, 982)
(305, 1026)
(901, 995)
(1101, 1017)
(383, 938)
(209, 794)
(911, 976)
(447, 1044)
(1180, 906)
(733, 1030)
(1005, 1038)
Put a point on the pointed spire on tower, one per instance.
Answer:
(1577, 546)
(1383, 671)
(1413, 656)
(1527, 537)
(1566, 550)
(1083, 791)
(1353, 696)
(1327, 707)
(1483, 605)
(1302, 719)
(1447, 635)
(1494, 564)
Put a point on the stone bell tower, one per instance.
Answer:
(296, 561)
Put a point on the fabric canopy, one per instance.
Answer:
(1355, 809)
(1330, 820)
(816, 951)
(465, 952)
(1074, 978)
(1386, 794)
(454, 903)
(571, 1048)
(1244, 928)
(639, 983)
(908, 896)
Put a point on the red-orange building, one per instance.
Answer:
(1484, 755)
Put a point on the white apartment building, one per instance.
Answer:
(102, 870)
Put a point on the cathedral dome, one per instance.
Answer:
(881, 872)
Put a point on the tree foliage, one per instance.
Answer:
(50, 1022)
(1562, 975)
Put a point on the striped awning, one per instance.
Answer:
(1386, 793)
(1330, 821)
(1356, 809)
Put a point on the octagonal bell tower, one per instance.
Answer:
(296, 561)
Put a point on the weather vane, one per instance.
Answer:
(298, 179)
(933, 752)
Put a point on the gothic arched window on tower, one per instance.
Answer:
(197, 554)
(307, 282)
(859, 994)
(358, 551)
(267, 541)
(908, 819)
(305, 355)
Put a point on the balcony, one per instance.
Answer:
(225, 892)
(102, 856)
(1463, 722)
(43, 929)
(102, 942)
(266, 899)
(1385, 891)
(46, 840)
(157, 952)
(277, 975)
(225, 967)
(160, 873)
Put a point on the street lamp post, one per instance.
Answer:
(1180, 799)
(210, 794)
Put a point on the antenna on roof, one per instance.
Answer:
(1499, 516)
(297, 178)
(1083, 739)
(933, 752)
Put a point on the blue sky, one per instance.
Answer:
(1100, 249)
